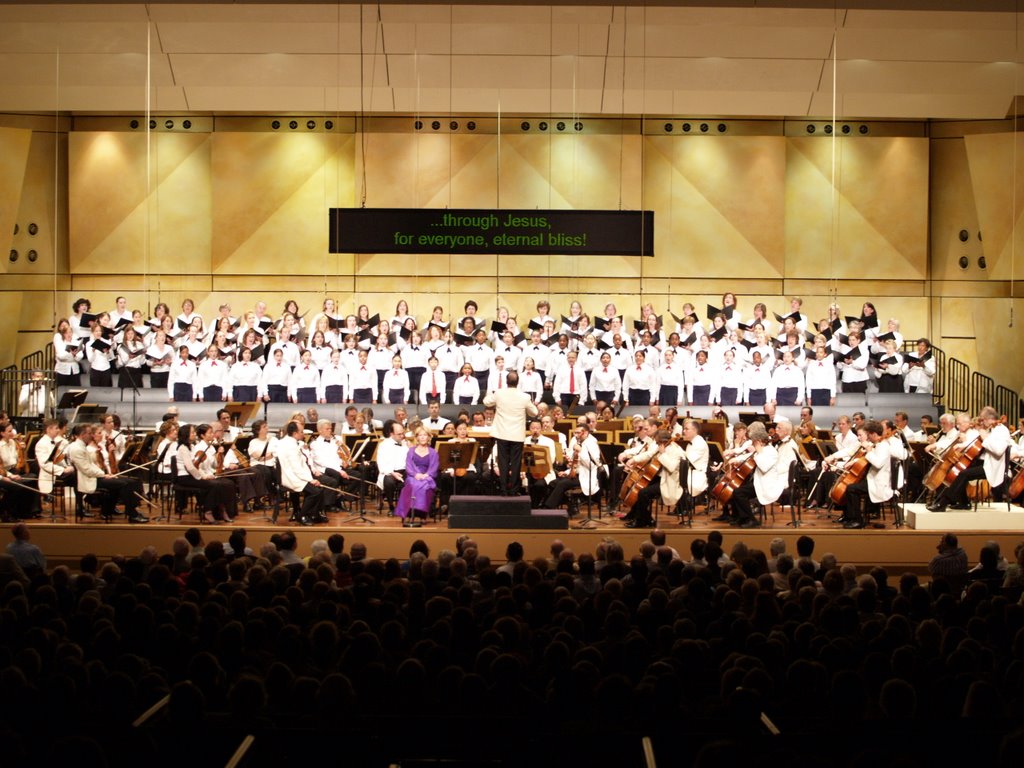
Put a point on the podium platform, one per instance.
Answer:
(988, 517)
(503, 512)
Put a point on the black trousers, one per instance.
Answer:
(392, 488)
(742, 500)
(510, 459)
(858, 502)
(957, 492)
(641, 511)
(119, 490)
(313, 502)
(561, 486)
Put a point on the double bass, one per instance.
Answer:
(854, 471)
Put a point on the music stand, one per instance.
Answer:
(72, 398)
(241, 412)
(88, 412)
(583, 525)
(455, 456)
(361, 453)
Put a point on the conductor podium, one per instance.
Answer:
(503, 512)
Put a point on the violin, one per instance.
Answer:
(22, 466)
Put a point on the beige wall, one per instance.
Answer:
(240, 216)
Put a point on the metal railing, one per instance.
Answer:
(42, 359)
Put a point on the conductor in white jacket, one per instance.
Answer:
(509, 430)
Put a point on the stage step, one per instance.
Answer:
(499, 512)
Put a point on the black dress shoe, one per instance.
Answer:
(936, 507)
(750, 524)
(306, 521)
(843, 519)
(962, 506)
(853, 525)
(721, 519)
(138, 519)
(631, 524)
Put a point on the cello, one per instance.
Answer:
(644, 476)
(732, 479)
(854, 472)
(937, 473)
(1016, 487)
(963, 460)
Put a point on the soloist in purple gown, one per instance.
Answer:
(418, 494)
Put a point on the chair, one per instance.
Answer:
(93, 498)
(285, 494)
(899, 484)
(184, 495)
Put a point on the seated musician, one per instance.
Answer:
(665, 483)
(947, 435)
(875, 487)
(990, 464)
(327, 455)
(51, 456)
(391, 462)
(18, 487)
(296, 475)
(538, 486)
(847, 443)
(582, 472)
(251, 487)
(695, 470)
(91, 477)
(765, 483)
(447, 482)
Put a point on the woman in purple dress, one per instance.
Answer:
(421, 465)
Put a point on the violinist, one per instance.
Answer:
(875, 487)
(18, 501)
(216, 494)
(765, 483)
(230, 432)
(51, 456)
(92, 477)
(537, 486)
(331, 458)
(250, 487)
(990, 465)
(111, 442)
(262, 452)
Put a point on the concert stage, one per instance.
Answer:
(897, 550)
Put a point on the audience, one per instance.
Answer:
(263, 641)
(26, 554)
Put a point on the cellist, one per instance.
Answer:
(765, 483)
(991, 464)
(868, 492)
(664, 484)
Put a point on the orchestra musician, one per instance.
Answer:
(697, 457)
(215, 495)
(92, 477)
(665, 483)
(584, 462)
(765, 483)
(297, 476)
(19, 502)
(391, 462)
(875, 487)
(991, 464)
(51, 456)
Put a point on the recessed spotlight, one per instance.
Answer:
(828, 129)
(810, 129)
(471, 125)
(329, 125)
(17, 229)
(543, 126)
(33, 228)
(418, 125)
(310, 124)
(982, 263)
(963, 262)
(524, 126)
(33, 256)
(721, 127)
(436, 125)
(134, 124)
(293, 124)
(668, 127)
(560, 126)
(846, 129)
(578, 126)
(275, 124)
(168, 124)
(703, 127)
(686, 127)
(453, 126)
(964, 235)
(152, 125)
(863, 130)
(14, 255)
(186, 124)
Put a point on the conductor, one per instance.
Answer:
(509, 430)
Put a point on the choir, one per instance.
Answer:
(669, 360)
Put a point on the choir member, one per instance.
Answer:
(820, 379)
(274, 382)
(638, 383)
(466, 389)
(99, 354)
(304, 383)
(334, 380)
(395, 387)
(757, 379)
(853, 360)
(727, 382)
(700, 380)
(530, 381)
(363, 380)
(570, 381)
(787, 387)
(605, 383)
(919, 368)
(67, 354)
(889, 368)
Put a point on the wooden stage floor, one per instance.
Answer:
(897, 549)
